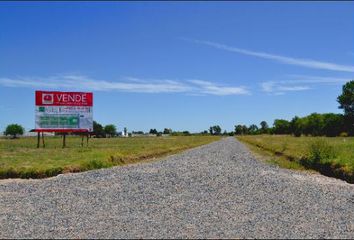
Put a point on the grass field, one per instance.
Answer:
(330, 156)
(21, 158)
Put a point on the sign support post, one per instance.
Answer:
(82, 140)
(43, 144)
(38, 138)
(64, 144)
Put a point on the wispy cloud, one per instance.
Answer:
(279, 88)
(316, 79)
(211, 88)
(299, 83)
(309, 63)
(126, 84)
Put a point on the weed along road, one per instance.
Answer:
(217, 190)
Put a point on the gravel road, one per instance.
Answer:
(217, 190)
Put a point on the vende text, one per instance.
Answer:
(65, 98)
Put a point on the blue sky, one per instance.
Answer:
(181, 65)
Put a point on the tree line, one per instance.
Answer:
(315, 124)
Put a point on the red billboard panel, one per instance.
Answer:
(49, 98)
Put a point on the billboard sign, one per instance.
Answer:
(64, 111)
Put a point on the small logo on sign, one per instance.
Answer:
(47, 98)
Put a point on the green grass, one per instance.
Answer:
(21, 158)
(330, 156)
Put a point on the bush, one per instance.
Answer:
(320, 150)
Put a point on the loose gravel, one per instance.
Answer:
(217, 190)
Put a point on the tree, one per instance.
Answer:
(264, 127)
(333, 124)
(281, 126)
(253, 129)
(186, 133)
(314, 124)
(153, 131)
(296, 126)
(241, 129)
(244, 129)
(98, 130)
(167, 131)
(14, 130)
(238, 130)
(216, 130)
(211, 130)
(110, 129)
(346, 99)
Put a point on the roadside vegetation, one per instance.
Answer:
(21, 159)
(330, 156)
(317, 141)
